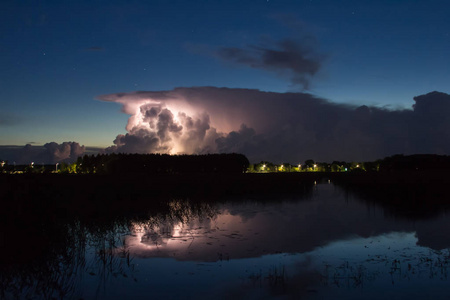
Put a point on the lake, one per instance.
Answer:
(325, 243)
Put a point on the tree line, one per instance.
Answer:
(158, 164)
(416, 162)
(224, 163)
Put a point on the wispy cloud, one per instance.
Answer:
(8, 119)
(298, 60)
(95, 48)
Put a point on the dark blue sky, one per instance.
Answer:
(56, 57)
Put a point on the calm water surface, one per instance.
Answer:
(331, 245)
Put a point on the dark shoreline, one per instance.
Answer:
(89, 194)
(281, 178)
(401, 185)
(139, 187)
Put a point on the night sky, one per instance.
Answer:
(277, 80)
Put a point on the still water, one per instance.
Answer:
(329, 245)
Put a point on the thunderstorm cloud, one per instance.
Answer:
(281, 127)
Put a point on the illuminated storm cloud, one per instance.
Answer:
(279, 127)
(201, 119)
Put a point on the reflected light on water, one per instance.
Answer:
(332, 245)
(195, 238)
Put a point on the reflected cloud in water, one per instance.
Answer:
(252, 229)
(331, 244)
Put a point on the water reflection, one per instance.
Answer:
(251, 229)
(330, 244)
(168, 233)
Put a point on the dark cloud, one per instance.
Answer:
(94, 49)
(431, 123)
(281, 127)
(298, 60)
(50, 153)
(138, 141)
(66, 151)
(237, 141)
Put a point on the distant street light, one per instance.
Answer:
(56, 167)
